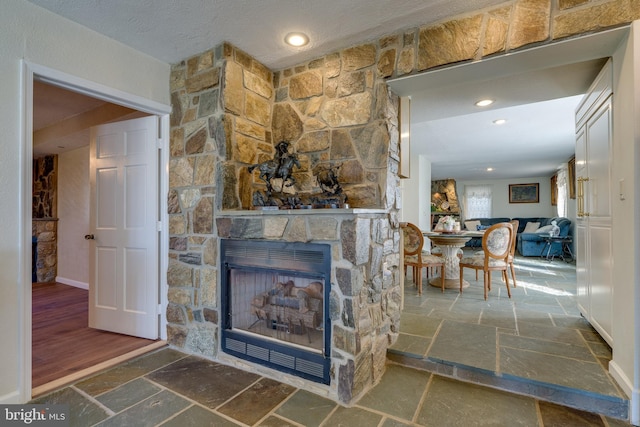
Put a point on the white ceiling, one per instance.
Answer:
(536, 91)
(172, 30)
(461, 140)
(537, 99)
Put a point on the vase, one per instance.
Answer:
(448, 227)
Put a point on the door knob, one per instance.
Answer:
(89, 237)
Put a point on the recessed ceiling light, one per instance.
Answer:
(489, 169)
(484, 102)
(499, 122)
(296, 39)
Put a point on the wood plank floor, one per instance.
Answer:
(62, 342)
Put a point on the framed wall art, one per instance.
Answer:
(571, 170)
(524, 193)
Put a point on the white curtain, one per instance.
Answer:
(477, 201)
(563, 192)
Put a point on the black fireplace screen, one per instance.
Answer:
(275, 305)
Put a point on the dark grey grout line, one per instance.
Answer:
(433, 339)
(273, 410)
(240, 392)
(384, 415)
(162, 388)
(177, 413)
(192, 401)
(498, 370)
(329, 415)
(423, 399)
(593, 362)
(93, 400)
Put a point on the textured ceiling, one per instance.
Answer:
(172, 30)
(538, 100)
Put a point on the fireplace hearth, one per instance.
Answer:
(275, 305)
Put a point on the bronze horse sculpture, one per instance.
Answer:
(327, 177)
(281, 168)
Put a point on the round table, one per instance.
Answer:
(449, 243)
(565, 241)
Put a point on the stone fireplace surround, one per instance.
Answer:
(229, 111)
(364, 301)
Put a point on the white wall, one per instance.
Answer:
(28, 32)
(73, 217)
(500, 196)
(625, 365)
(416, 193)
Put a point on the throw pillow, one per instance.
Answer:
(545, 229)
(471, 225)
(531, 227)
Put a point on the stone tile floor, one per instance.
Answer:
(170, 388)
(535, 343)
(538, 335)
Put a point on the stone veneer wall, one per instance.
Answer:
(46, 230)
(222, 122)
(44, 213)
(45, 187)
(229, 110)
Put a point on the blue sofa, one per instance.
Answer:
(532, 244)
(528, 244)
(476, 242)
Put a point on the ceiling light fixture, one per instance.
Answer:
(296, 39)
(484, 102)
(499, 122)
(489, 169)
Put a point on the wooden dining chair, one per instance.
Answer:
(413, 256)
(512, 253)
(496, 247)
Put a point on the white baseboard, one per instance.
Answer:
(627, 387)
(10, 398)
(71, 282)
(619, 375)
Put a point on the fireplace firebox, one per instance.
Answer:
(275, 305)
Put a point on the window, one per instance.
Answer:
(477, 201)
(563, 192)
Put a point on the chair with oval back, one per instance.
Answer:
(496, 246)
(413, 256)
(512, 254)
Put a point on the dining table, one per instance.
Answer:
(449, 243)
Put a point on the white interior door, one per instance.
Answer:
(123, 266)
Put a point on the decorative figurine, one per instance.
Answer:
(327, 177)
(279, 167)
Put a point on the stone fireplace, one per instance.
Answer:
(275, 305)
(362, 298)
(229, 112)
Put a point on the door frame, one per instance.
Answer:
(34, 72)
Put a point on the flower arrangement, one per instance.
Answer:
(448, 221)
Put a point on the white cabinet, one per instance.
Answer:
(593, 230)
